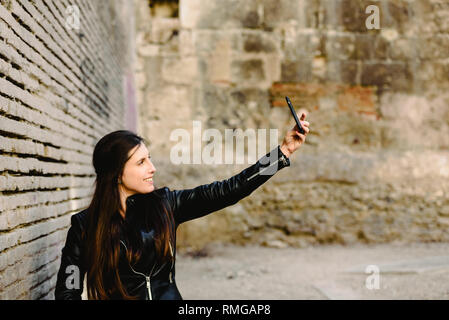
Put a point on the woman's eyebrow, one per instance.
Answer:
(143, 158)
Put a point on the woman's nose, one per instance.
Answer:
(152, 167)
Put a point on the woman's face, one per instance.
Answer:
(138, 172)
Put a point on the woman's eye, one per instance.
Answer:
(144, 160)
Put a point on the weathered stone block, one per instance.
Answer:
(272, 63)
(403, 49)
(163, 29)
(219, 14)
(217, 68)
(406, 113)
(424, 22)
(331, 15)
(357, 99)
(397, 14)
(348, 72)
(394, 76)
(234, 108)
(381, 47)
(259, 42)
(250, 97)
(353, 15)
(186, 45)
(433, 47)
(319, 68)
(301, 44)
(296, 71)
(161, 102)
(431, 76)
(208, 42)
(251, 70)
(340, 47)
(313, 14)
(278, 11)
(181, 70)
(153, 70)
(364, 46)
(441, 16)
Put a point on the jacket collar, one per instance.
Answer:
(132, 200)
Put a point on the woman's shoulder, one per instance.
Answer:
(163, 191)
(159, 194)
(79, 218)
(164, 194)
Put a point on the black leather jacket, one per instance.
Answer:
(146, 279)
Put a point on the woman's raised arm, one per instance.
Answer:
(194, 203)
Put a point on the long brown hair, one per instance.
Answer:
(105, 224)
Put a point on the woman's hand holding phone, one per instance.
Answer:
(293, 139)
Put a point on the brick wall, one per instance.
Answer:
(61, 89)
(375, 166)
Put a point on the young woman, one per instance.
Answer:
(125, 241)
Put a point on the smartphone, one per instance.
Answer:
(301, 129)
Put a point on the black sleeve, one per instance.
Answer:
(69, 283)
(194, 203)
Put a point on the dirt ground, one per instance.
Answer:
(406, 271)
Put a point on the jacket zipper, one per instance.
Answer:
(260, 171)
(170, 275)
(172, 262)
(147, 278)
(149, 287)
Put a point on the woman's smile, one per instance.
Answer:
(149, 180)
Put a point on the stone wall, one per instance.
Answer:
(375, 166)
(61, 89)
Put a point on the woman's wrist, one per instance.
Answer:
(285, 151)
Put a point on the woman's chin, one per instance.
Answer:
(145, 189)
(150, 189)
